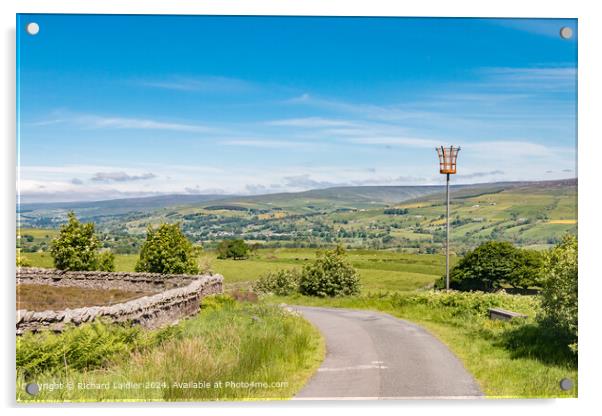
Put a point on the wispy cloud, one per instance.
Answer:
(93, 121)
(200, 84)
(309, 122)
(121, 177)
(397, 141)
(557, 78)
(481, 174)
(267, 144)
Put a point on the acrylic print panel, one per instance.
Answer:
(241, 208)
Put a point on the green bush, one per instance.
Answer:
(559, 295)
(167, 251)
(77, 248)
(493, 264)
(465, 304)
(232, 249)
(106, 261)
(281, 282)
(23, 261)
(329, 275)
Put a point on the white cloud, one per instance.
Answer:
(121, 177)
(200, 84)
(93, 121)
(268, 144)
(397, 141)
(310, 122)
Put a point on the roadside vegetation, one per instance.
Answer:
(513, 359)
(270, 349)
(519, 358)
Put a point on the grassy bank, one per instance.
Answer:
(230, 351)
(509, 359)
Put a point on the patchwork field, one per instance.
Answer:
(406, 218)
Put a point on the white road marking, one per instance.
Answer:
(355, 367)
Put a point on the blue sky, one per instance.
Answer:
(118, 106)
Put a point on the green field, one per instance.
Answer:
(379, 270)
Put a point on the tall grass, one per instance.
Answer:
(230, 351)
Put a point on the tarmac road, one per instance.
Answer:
(372, 355)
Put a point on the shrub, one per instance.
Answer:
(167, 251)
(282, 282)
(77, 247)
(329, 275)
(559, 295)
(232, 249)
(493, 264)
(106, 261)
(464, 304)
(84, 347)
(22, 261)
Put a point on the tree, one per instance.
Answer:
(329, 275)
(167, 251)
(494, 264)
(106, 261)
(528, 269)
(559, 295)
(232, 249)
(76, 247)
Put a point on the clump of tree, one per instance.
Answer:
(329, 275)
(396, 211)
(281, 282)
(495, 264)
(232, 249)
(167, 251)
(78, 248)
(559, 294)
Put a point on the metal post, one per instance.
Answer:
(447, 236)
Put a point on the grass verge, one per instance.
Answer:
(230, 351)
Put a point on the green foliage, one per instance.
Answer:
(281, 282)
(329, 275)
(85, 347)
(106, 261)
(167, 251)
(23, 261)
(226, 341)
(77, 247)
(493, 264)
(559, 295)
(467, 304)
(528, 269)
(232, 249)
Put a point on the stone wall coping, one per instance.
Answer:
(100, 275)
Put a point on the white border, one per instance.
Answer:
(590, 159)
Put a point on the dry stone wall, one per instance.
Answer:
(177, 296)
